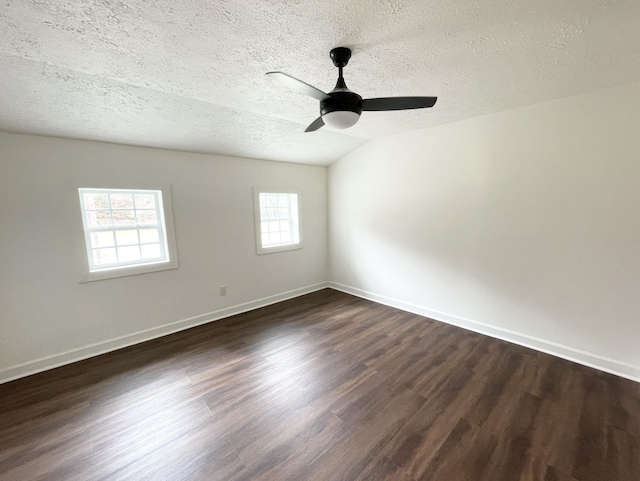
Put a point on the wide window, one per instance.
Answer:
(124, 229)
(277, 220)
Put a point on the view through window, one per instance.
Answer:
(123, 228)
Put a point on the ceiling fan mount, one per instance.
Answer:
(341, 108)
(340, 56)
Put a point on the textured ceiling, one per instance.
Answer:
(189, 75)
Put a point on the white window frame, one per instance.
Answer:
(166, 231)
(258, 219)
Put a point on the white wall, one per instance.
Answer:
(523, 224)
(46, 313)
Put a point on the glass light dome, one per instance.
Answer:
(341, 119)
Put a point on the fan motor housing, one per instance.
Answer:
(341, 101)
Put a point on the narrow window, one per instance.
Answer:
(124, 229)
(277, 220)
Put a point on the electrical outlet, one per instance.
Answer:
(223, 290)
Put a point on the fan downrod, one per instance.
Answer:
(340, 56)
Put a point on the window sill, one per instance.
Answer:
(129, 271)
(271, 250)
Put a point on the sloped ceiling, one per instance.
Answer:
(189, 75)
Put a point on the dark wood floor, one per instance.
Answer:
(325, 387)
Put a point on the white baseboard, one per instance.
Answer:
(595, 361)
(590, 359)
(67, 357)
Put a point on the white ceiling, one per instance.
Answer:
(189, 75)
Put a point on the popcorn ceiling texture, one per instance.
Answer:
(189, 75)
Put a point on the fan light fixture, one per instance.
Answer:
(341, 108)
(341, 119)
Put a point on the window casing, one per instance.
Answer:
(125, 232)
(277, 220)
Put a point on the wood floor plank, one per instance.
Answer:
(553, 474)
(198, 454)
(326, 386)
(382, 469)
(290, 454)
(416, 443)
(554, 440)
(591, 438)
(514, 452)
(348, 458)
(623, 455)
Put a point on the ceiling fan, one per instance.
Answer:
(341, 108)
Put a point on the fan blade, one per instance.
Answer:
(297, 85)
(398, 103)
(315, 125)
